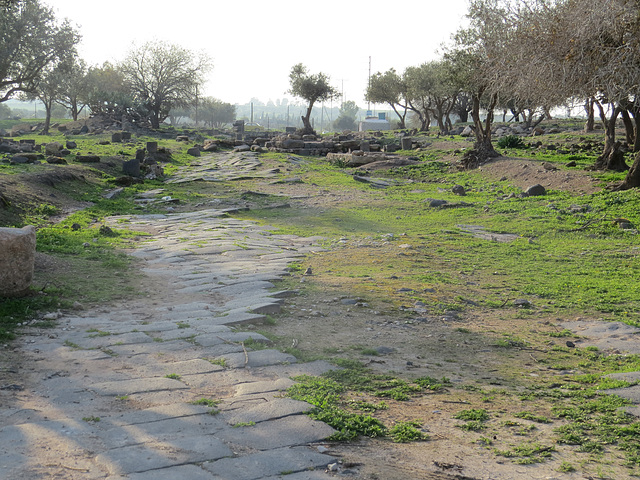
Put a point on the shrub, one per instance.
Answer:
(511, 141)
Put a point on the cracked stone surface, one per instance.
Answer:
(116, 401)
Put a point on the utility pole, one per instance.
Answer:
(369, 84)
(196, 106)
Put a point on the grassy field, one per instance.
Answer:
(568, 257)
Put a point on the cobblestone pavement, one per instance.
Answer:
(118, 390)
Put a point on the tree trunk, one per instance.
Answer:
(628, 127)
(590, 123)
(612, 157)
(635, 114)
(154, 119)
(482, 148)
(632, 180)
(306, 121)
(48, 108)
(47, 120)
(401, 117)
(440, 119)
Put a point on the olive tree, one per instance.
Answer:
(162, 76)
(216, 113)
(312, 88)
(347, 117)
(31, 41)
(486, 64)
(47, 90)
(73, 86)
(389, 88)
(106, 92)
(596, 58)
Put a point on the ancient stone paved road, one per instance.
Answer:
(115, 385)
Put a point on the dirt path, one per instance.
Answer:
(66, 376)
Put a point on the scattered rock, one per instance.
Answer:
(106, 231)
(56, 160)
(17, 260)
(113, 193)
(131, 167)
(435, 203)
(522, 302)
(535, 190)
(458, 190)
(52, 148)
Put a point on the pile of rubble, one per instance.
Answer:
(312, 145)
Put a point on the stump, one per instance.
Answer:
(17, 258)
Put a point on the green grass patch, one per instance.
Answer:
(330, 394)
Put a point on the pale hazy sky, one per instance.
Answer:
(253, 44)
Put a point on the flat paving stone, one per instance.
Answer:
(263, 387)
(213, 272)
(258, 358)
(142, 458)
(285, 432)
(273, 410)
(269, 463)
(141, 385)
(155, 414)
(181, 472)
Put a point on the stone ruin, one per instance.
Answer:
(17, 260)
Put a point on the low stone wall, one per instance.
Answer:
(17, 259)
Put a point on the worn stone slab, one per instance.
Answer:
(237, 317)
(245, 336)
(142, 458)
(141, 385)
(150, 348)
(606, 335)
(261, 303)
(286, 432)
(316, 368)
(262, 387)
(181, 472)
(155, 414)
(314, 475)
(211, 340)
(269, 463)
(167, 430)
(272, 410)
(95, 340)
(630, 393)
(258, 358)
(251, 287)
(175, 334)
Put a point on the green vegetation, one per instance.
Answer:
(332, 394)
(527, 453)
(511, 141)
(207, 402)
(568, 257)
(243, 424)
(403, 432)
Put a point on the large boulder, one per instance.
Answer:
(52, 148)
(17, 258)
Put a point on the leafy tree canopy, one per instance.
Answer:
(31, 39)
